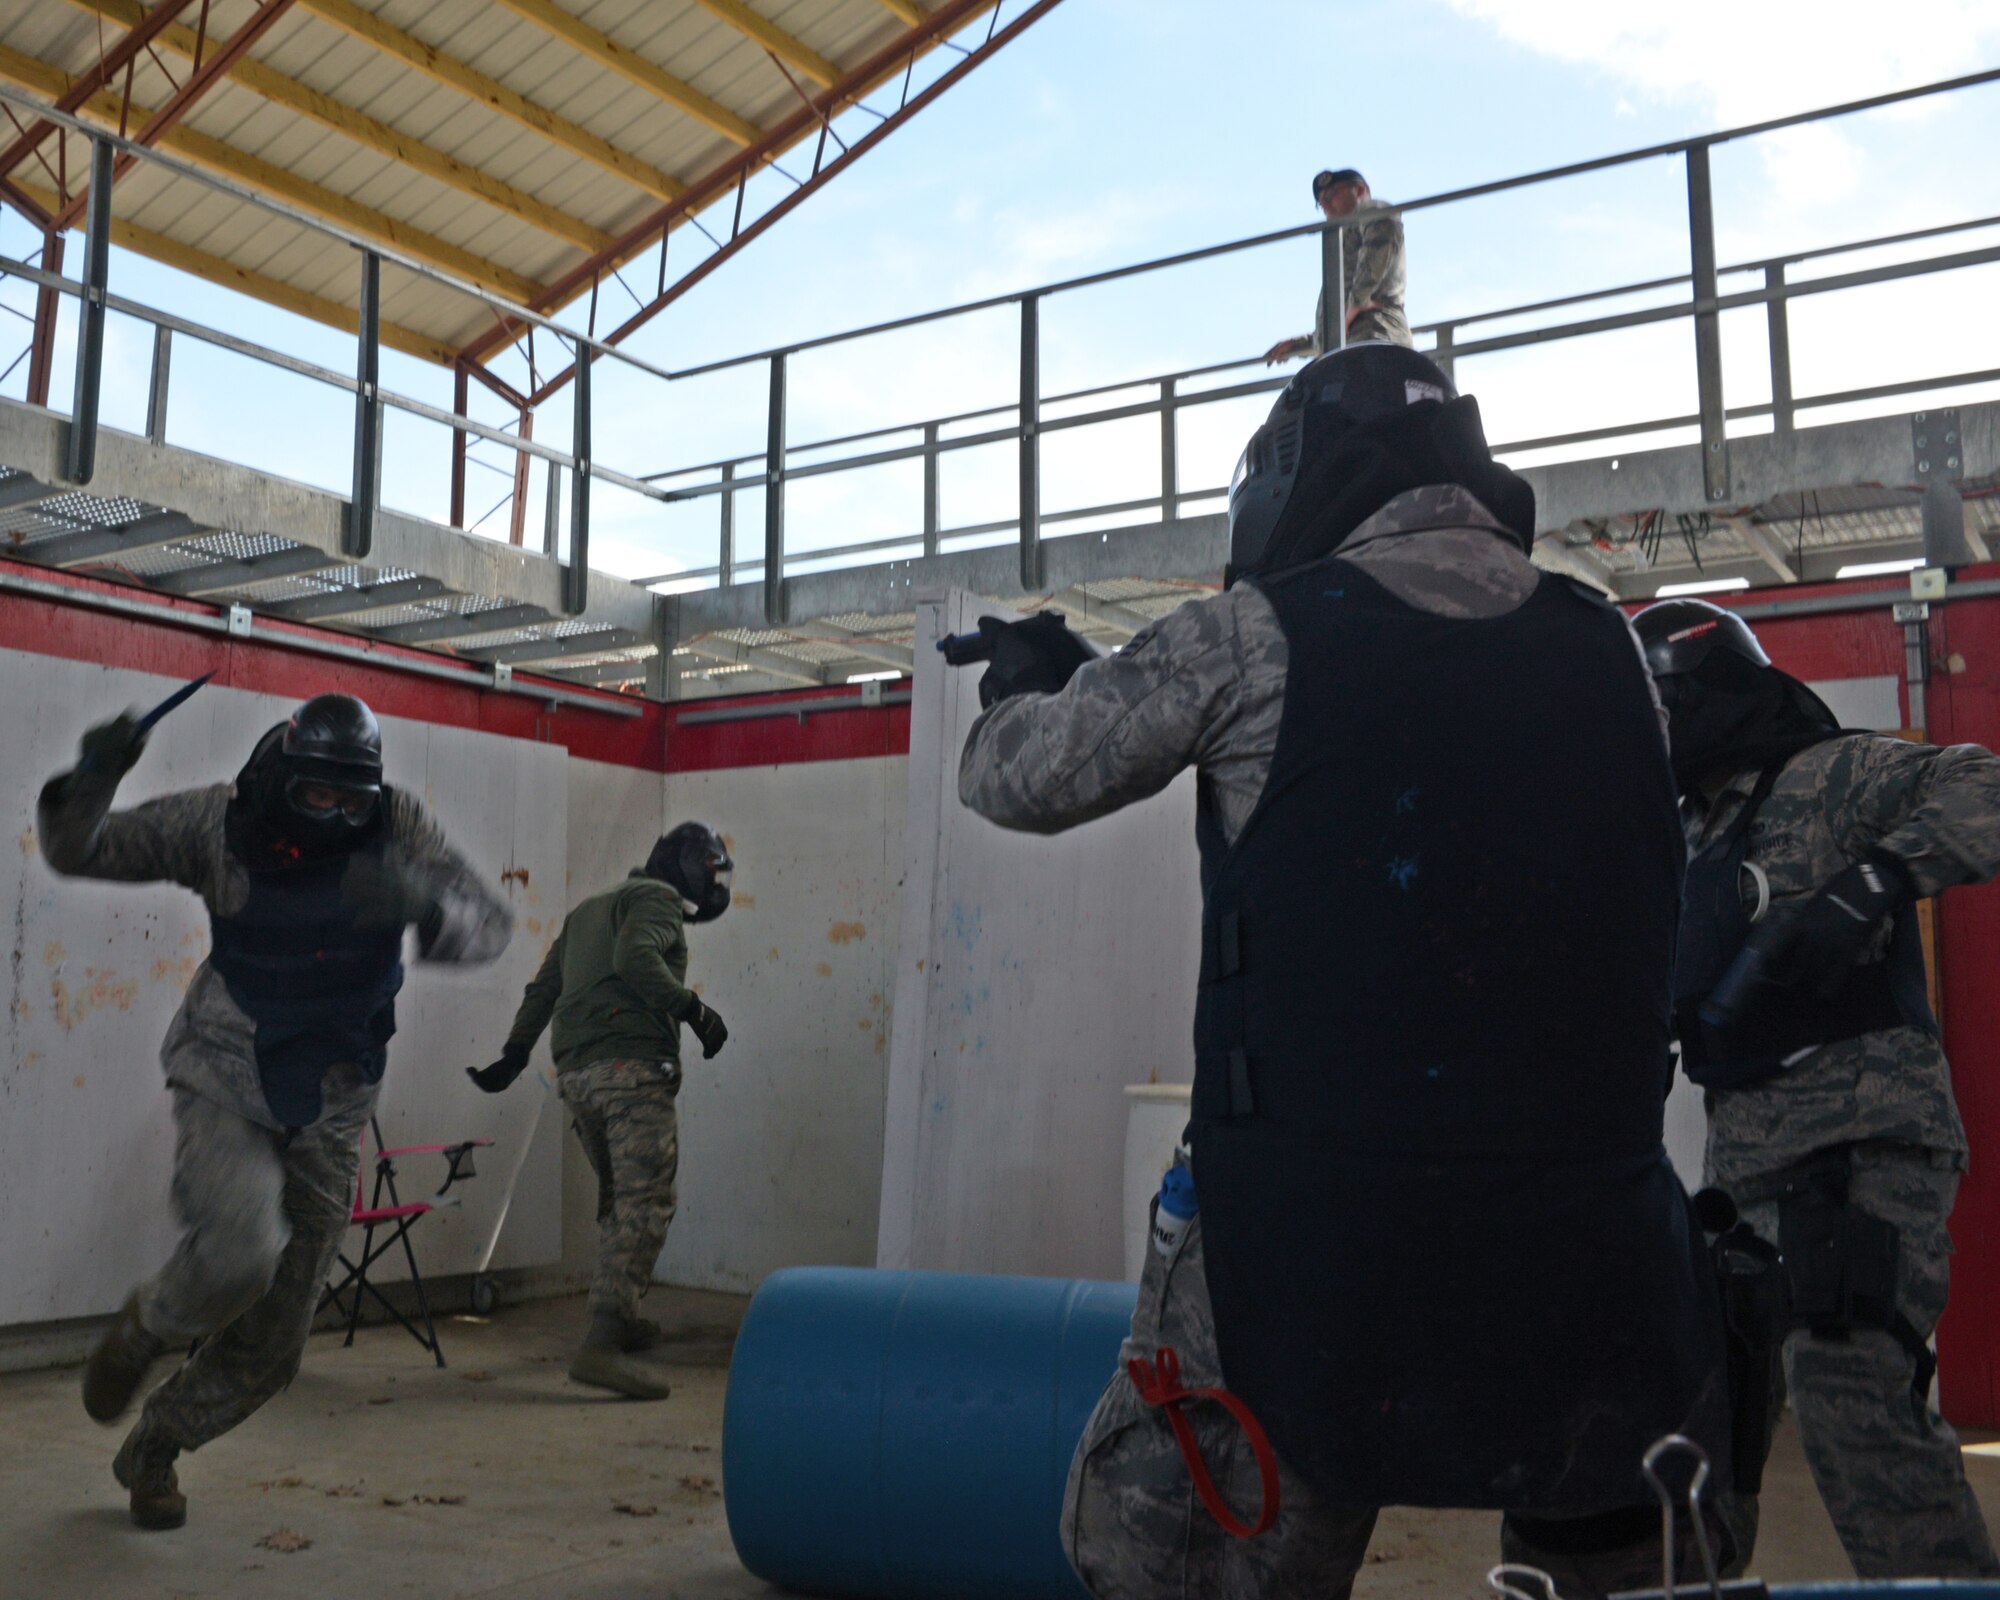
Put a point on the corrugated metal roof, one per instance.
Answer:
(334, 113)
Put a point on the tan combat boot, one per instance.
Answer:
(603, 1361)
(157, 1501)
(118, 1365)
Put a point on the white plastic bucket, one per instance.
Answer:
(1155, 1115)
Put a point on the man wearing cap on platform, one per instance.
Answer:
(1371, 267)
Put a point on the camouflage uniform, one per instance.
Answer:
(262, 1207)
(1205, 686)
(623, 1111)
(1134, 1529)
(1372, 265)
(1888, 1469)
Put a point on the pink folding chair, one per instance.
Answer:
(396, 1219)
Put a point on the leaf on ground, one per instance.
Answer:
(343, 1491)
(439, 1499)
(391, 1500)
(637, 1511)
(381, 1399)
(289, 1481)
(285, 1542)
(477, 1376)
(697, 1481)
(701, 1449)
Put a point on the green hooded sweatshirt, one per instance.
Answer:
(614, 981)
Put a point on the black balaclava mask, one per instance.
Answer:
(1730, 715)
(693, 861)
(263, 829)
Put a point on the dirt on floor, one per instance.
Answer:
(377, 1474)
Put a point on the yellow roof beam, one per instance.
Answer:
(909, 11)
(635, 68)
(213, 269)
(106, 107)
(455, 74)
(774, 39)
(365, 130)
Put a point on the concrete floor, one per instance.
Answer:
(376, 1474)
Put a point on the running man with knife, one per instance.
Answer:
(311, 868)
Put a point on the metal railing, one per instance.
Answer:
(1028, 419)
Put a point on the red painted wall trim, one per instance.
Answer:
(79, 633)
(847, 735)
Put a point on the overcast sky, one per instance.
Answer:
(1116, 130)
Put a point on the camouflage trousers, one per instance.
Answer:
(1380, 322)
(262, 1214)
(1887, 1465)
(1134, 1529)
(623, 1111)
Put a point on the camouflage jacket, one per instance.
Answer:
(1204, 687)
(1372, 266)
(1938, 812)
(210, 1048)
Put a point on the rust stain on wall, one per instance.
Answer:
(27, 841)
(514, 875)
(846, 932)
(102, 989)
(824, 969)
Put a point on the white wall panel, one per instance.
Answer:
(1038, 977)
(781, 1134)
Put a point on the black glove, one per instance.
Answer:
(111, 749)
(1816, 946)
(1036, 656)
(493, 1079)
(708, 1027)
(384, 891)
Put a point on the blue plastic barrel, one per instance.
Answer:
(907, 1434)
(1885, 1589)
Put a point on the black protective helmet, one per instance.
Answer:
(693, 860)
(333, 743)
(1679, 635)
(1345, 389)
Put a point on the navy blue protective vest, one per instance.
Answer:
(320, 990)
(1784, 1024)
(1449, 1260)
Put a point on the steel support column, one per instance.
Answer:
(42, 352)
(1707, 328)
(159, 385)
(774, 499)
(933, 500)
(80, 455)
(517, 514)
(1778, 321)
(1443, 355)
(1031, 444)
(1332, 329)
(576, 571)
(725, 554)
(1170, 471)
(367, 477)
(461, 400)
(552, 512)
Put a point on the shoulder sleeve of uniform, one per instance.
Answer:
(176, 838)
(1126, 724)
(1936, 809)
(473, 923)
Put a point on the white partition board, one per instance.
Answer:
(96, 970)
(1036, 978)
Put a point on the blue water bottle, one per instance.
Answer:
(1176, 1209)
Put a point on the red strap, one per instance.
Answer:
(1160, 1385)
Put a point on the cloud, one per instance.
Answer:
(1737, 63)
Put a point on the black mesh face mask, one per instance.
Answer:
(1730, 715)
(693, 860)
